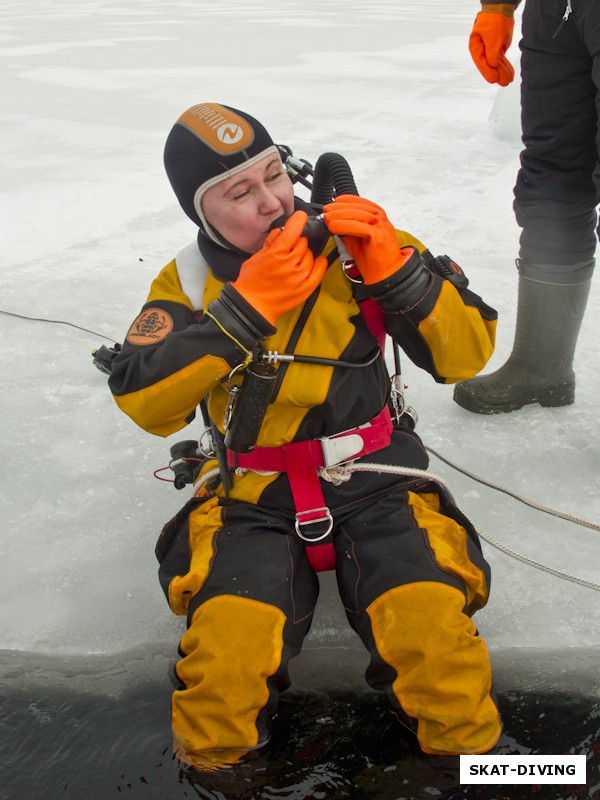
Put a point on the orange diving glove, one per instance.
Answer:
(283, 273)
(369, 236)
(490, 39)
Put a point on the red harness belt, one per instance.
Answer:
(301, 460)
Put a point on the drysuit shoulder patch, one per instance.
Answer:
(151, 327)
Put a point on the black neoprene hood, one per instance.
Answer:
(208, 143)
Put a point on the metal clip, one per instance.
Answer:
(231, 375)
(401, 409)
(208, 449)
(565, 18)
(233, 393)
(397, 397)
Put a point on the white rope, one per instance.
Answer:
(521, 498)
(211, 473)
(420, 473)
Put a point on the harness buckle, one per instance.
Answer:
(326, 517)
(340, 448)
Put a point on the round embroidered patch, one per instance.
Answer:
(151, 327)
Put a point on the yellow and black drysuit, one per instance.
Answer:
(409, 565)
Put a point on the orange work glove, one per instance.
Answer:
(369, 236)
(283, 273)
(490, 39)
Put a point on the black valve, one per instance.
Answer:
(104, 357)
(185, 463)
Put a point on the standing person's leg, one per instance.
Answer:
(249, 594)
(555, 205)
(588, 19)
(410, 576)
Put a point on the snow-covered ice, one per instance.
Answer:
(90, 91)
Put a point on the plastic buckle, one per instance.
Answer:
(325, 518)
(341, 448)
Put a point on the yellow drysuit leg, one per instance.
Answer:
(245, 583)
(411, 572)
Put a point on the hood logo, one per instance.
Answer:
(229, 133)
(218, 127)
(151, 326)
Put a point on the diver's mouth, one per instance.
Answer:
(279, 222)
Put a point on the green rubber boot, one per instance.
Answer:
(540, 367)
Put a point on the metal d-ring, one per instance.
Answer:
(348, 264)
(325, 518)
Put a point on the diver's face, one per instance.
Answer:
(241, 208)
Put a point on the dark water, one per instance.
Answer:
(72, 731)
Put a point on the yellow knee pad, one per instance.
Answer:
(443, 672)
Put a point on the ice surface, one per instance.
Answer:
(90, 91)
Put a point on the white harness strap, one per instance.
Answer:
(192, 270)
